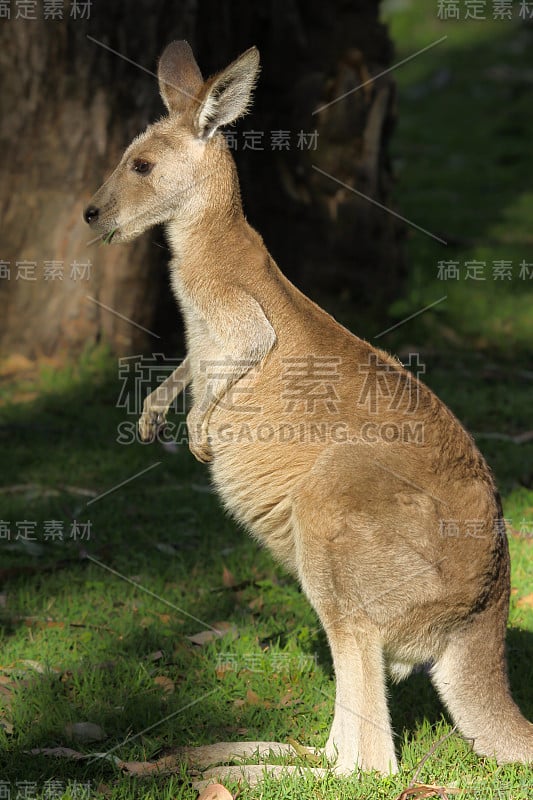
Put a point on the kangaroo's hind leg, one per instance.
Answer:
(361, 735)
(471, 678)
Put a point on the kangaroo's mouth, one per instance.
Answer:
(107, 238)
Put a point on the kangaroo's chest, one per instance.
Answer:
(203, 349)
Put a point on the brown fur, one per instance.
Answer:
(357, 520)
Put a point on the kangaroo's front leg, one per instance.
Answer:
(157, 403)
(244, 337)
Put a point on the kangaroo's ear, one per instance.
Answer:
(180, 78)
(228, 94)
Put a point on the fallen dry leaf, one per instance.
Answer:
(33, 622)
(218, 630)
(203, 637)
(228, 580)
(16, 362)
(165, 684)
(215, 791)
(6, 725)
(288, 700)
(525, 602)
(57, 752)
(5, 696)
(257, 603)
(73, 755)
(36, 665)
(166, 549)
(419, 791)
(84, 732)
(252, 699)
(157, 656)
(222, 670)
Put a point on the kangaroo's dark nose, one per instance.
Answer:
(90, 214)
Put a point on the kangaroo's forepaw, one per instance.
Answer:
(201, 451)
(151, 423)
(199, 440)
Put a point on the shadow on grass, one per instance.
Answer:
(408, 714)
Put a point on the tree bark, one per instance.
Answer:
(70, 107)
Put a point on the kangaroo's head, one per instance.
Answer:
(180, 167)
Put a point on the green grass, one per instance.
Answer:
(463, 158)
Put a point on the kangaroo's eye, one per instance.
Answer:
(142, 167)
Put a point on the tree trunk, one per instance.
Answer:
(70, 107)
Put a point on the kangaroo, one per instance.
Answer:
(283, 397)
